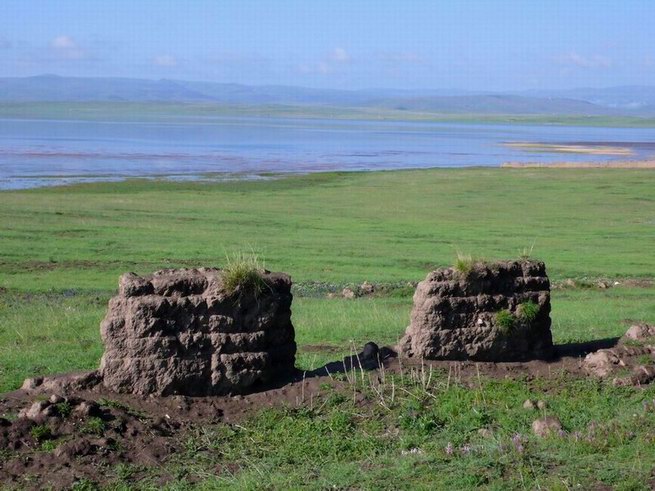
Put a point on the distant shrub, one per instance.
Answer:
(243, 273)
(528, 311)
(505, 320)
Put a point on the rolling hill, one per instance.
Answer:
(617, 101)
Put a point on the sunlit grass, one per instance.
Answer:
(348, 227)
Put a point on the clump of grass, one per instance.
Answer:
(505, 320)
(528, 311)
(243, 273)
(41, 433)
(93, 426)
(64, 408)
(464, 263)
(526, 252)
(48, 445)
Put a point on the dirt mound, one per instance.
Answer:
(62, 439)
(63, 431)
(59, 430)
(631, 362)
(493, 312)
(182, 332)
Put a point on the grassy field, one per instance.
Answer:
(62, 249)
(200, 112)
(383, 226)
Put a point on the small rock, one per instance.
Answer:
(485, 433)
(642, 375)
(640, 332)
(74, 448)
(603, 285)
(87, 409)
(529, 404)
(547, 426)
(348, 293)
(622, 381)
(601, 363)
(412, 451)
(542, 405)
(367, 288)
(31, 383)
(35, 411)
(55, 399)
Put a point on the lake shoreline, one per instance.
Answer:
(618, 164)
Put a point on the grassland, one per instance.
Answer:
(203, 112)
(62, 249)
(379, 227)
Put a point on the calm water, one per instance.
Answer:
(39, 153)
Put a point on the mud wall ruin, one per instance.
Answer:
(494, 312)
(181, 332)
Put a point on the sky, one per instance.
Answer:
(414, 44)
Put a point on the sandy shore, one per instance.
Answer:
(589, 149)
(617, 164)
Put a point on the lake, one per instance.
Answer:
(37, 153)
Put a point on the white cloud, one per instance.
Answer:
(591, 62)
(66, 48)
(63, 42)
(339, 55)
(165, 61)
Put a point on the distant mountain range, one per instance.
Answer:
(613, 101)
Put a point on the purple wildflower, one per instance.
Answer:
(449, 449)
(465, 449)
(517, 441)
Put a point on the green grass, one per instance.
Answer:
(385, 226)
(427, 436)
(242, 273)
(528, 311)
(505, 320)
(93, 426)
(200, 112)
(62, 250)
(44, 334)
(41, 432)
(464, 263)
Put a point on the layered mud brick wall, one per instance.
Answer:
(181, 332)
(494, 312)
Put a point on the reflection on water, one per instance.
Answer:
(39, 153)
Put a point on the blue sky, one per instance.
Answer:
(465, 44)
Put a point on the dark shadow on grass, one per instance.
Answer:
(583, 349)
(370, 358)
